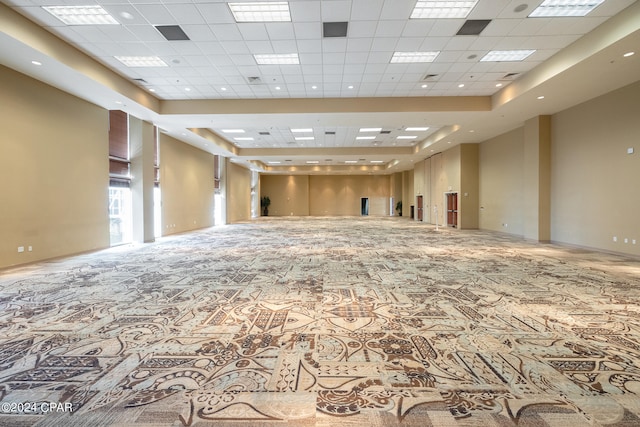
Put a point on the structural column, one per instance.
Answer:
(141, 146)
(537, 179)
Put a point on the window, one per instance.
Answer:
(120, 203)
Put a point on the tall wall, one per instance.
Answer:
(395, 186)
(326, 195)
(594, 191)
(187, 184)
(501, 182)
(408, 194)
(54, 172)
(289, 194)
(469, 196)
(595, 188)
(238, 190)
(454, 170)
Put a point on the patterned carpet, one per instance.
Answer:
(323, 322)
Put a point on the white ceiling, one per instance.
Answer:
(216, 64)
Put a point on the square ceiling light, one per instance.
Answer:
(261, 12)
(141, 61)
(277, 59)
(82, 15)
(435, 9)
(555, 8)
(404, 57)
(506, 55)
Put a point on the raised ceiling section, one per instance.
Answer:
(391, 65)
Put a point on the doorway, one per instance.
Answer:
(419, 207)
(364, 206)
(452, 209)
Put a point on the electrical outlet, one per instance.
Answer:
(626, 240)
(30, 248)
(20, 249)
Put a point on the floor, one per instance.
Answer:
(323, 322)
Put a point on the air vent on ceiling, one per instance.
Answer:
(329, 132)
(334, 29)
(429, 77)
(172, 32)
(510, 76)
(254, 80)
(473, 27)
(291, 142)
(385, 132)
(143, 81)
(264, 133)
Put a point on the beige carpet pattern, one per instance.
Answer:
(323, 322)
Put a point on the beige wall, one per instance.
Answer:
(468, 195)
(326, 195)
(395, 186)
(595, 188)
(408, 195)
(54, 172)
(501, 183)
(289, 194)
(455, 170)
(238, 191)
(186, 181)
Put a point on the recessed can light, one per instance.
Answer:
(36, 62)
(628, 54)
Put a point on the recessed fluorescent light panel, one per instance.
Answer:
(377, 161)
(506, 55)
(277, 59)
(434, 9)
(406, 137)
(365, 137)
(141, 61)
(248, 138)
(261, 12)
(412, 57)
(304, 138)
(301, 130)
(554, 8)
(233, 130)
(312, 162)
(417, 129)
(370, 129)
(82, 15)
(351, 162)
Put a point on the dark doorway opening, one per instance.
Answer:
(364, 206)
